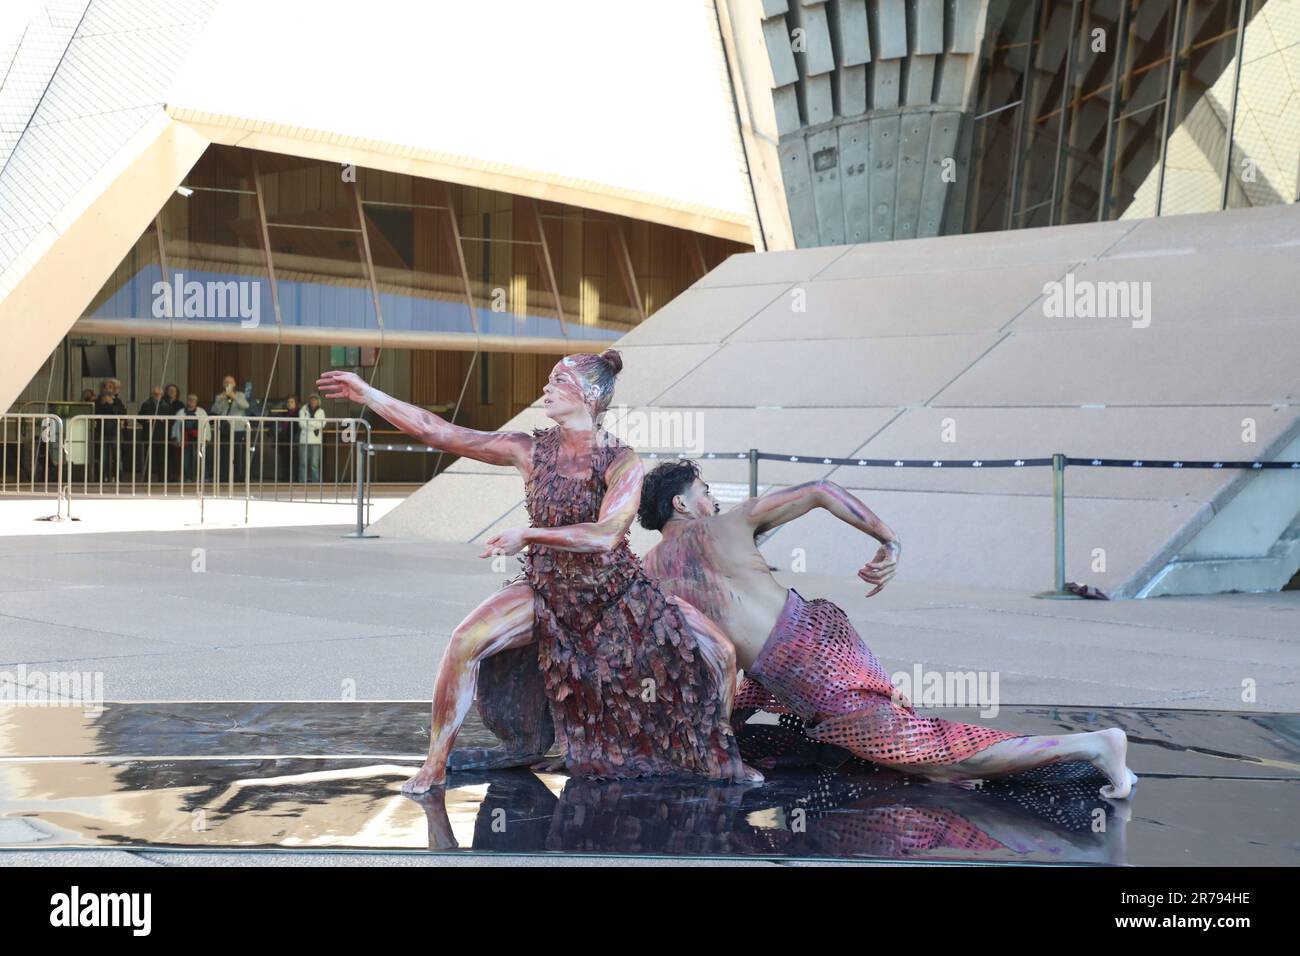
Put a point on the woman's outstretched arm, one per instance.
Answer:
(617, 509)
(494, 448)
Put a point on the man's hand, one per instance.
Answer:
(880, 569)
(339, 384)
(510, 541)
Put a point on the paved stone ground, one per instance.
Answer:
(305, 614)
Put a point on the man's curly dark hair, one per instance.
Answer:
(659, 488)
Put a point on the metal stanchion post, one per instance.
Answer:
(753, 473)
(66, 455)
(363, 463)
(202, 467)
(1058, 507)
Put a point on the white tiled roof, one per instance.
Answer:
(81, 79)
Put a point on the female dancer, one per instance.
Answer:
(639, 684)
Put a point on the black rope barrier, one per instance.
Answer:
(1056, 462)
(938, 462)
(1161, 463)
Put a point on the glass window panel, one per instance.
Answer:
(1037, 196)
(131, 290)
(322, 279)
(1266, 136)
(996, 132)
(1135, 178)
(1198, 139)
(1090, 95)
(420, 286)
(215, 258)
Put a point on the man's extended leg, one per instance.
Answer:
(502, 621)
(817, 666)
(1104, 749)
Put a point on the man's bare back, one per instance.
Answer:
(714, 563)
(711, 559)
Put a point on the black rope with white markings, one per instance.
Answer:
(940, 462)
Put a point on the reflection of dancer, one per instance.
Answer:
(642, 685)
(873, 812)
(804, 657)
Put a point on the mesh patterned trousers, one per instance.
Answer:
(815, 665)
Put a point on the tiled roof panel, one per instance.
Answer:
(79, 81)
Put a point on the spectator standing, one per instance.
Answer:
(234, 433)
(152, 445)
(286, 439)
(105, 443)
(311, 420)
(189, 432)
(171, 404)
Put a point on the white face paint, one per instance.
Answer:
(568, 391)
(562, 394)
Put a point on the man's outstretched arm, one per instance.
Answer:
(779, 507)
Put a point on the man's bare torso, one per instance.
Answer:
(714, 564)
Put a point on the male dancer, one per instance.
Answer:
(804, 657)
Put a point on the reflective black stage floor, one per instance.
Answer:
(1216, 788)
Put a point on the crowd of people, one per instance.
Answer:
(149, 446)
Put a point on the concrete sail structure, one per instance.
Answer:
(945, 348)
(88, 160)
(863, 105)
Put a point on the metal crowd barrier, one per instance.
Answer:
(31, 457)
(160, 454)
(213, 456)
(1057, 462)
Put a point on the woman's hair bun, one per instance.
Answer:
(613, 360)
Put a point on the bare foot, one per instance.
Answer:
(549, 765)
(749, 775)
(1111, 752)
(429, 776)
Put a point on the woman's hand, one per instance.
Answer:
(880, 569)
(510, 541)
(339, 384)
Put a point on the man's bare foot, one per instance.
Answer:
(429, 776)
(749, 775)
(549, 765)
(1112, 750)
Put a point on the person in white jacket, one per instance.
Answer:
(311, 426)
(190, 432)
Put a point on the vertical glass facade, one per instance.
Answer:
(1091, 110)
(435, 257)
